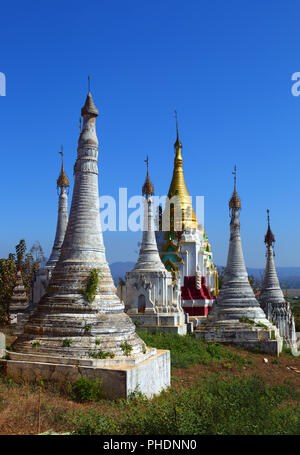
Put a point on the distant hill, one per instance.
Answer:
(289, 277)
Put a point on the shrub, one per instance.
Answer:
(87, 328)
(126, 348)
(187, 350)
(90, 423)
(213, 406)
(101, 355)
(35, 344)
(92, 284)
(86, 390)
(67, 342)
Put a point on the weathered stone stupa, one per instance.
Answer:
(19, 299)
(43, 275)
(272, 300)
(237, 317)
(76, 332)
(151, 299)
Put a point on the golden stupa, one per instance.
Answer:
(178, 188)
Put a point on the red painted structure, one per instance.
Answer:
(196, 302)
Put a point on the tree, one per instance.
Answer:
(255, 283)
(7, 283)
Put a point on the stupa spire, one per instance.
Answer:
(272, 300)
(271, 287)
(148, 256)
(178, 186)
(67, 309)
(238, 317)
(62, 216)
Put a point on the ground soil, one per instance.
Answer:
(20, 403)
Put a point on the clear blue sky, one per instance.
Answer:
(225, 66)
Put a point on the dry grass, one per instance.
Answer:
(19, 403)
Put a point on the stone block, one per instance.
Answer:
(150, 376)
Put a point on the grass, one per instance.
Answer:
(186, 350)
(210, 407)
(215, 390)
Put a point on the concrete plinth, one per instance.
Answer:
(161, 322)
(249, 337)
(149, 376)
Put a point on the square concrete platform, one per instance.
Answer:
(150, 376)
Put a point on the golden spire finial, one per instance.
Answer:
(235, 202)
(269, 237)
(62, 180)
(178, 144)
(148, 188)
(62, 154)
(234, 173)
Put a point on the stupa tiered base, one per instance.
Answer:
(120, 376)
(250, 335)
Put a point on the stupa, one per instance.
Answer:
(19, 299)
(151, 298)
(272, 300)
(43, 275)
(183, 244)
(80, 328)
(237, 317)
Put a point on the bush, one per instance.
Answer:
(186, 350)
(92, 284)
(213, 406)
(90, 423)
(86, 390)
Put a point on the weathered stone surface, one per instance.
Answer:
(151, 298)
(65, 323)
(19, 299)
(2, 345)
(237, 317)
(272, 300)
(150, 375)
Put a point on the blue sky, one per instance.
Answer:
(225, 66)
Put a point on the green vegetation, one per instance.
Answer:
(295, 307)
(213, 406)
(35, 344)
(86, 390)
(247, 321)
(87, 328)
(101, 355)
(92, 284)
(186, 350)
(126, 348)
(28, 262)
(67, 342)
(98, 341)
